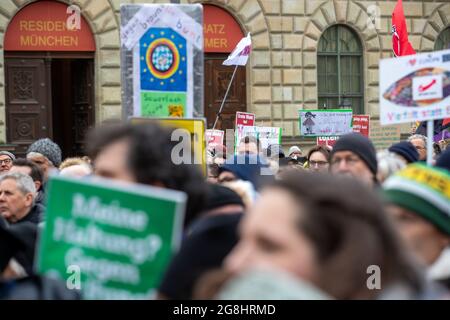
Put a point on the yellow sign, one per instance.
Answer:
(195, 128)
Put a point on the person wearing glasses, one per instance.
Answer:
(319, 159)
(420, 143)
(6, 160)
(354, 155)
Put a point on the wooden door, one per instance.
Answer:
(217, 78)
(82, 102)
(28, 101)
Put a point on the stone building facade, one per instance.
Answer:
(282, 73)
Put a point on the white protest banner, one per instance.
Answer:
(214, 138)
(266, 135)
(334, 122)
(415, 88)
(161, 15)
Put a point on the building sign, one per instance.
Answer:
(49, 26)
(221, 32)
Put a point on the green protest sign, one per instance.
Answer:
(116, 240)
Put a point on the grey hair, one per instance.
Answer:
(24, 182)
(418, 136)
(37, 154)
(388, 164)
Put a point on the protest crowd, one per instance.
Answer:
(253, 219)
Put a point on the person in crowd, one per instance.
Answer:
(244, 189)
(30, 168)
(247, 167)
(327, 231)
(443, 161)
(46, 155)
(406, 150)
(213, 172)
(249, 145)
(209, 239)
(420, 143)
(6, 160)
(17, 194)
(388, 164)
(75, 167)
(318, 159)
(418, 199)
(286, 164)
(219, 155)
(17, 280)
(354, 155)
(295, 152)
(274, 153)
(143, 154)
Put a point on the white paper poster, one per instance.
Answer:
(415, 88)
(313, 123)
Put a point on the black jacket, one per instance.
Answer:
(36, 214)
(208, 242)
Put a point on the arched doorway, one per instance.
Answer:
(49, 74)
(222, 33)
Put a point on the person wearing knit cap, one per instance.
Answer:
(208, 241)
(354, 155)
(6, 159)
(295, 152)
(418, 198)
(406, 150)
(46, 154)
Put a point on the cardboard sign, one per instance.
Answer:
(266, 135)
(383, 136)
(196, 129)
(160, 45)
(116, 239)
(361, 124)
(327, 141)
(214, 138)
(315, 123)
(245, 119)
(415, 88)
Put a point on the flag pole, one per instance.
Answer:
(225, 98)
(430, 132)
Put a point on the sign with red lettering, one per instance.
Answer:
(245, 119)
(221, 32)
(327, 141)
(49, 26)
(214, 138)
(361, 124)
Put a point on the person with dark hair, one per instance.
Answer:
(142, 153)
(354, 155)
(406, 151)
(17, 281)
(28, 167)
(328, 231)
(209, 239)
(213, 172)
(249, 145)
(318, 159)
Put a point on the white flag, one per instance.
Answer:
(240, 54)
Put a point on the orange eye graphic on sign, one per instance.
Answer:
(163, 58)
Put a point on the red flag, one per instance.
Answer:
(400, 42)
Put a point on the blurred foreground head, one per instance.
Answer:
(143, 154)
(327, 230)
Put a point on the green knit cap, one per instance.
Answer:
(423, 190)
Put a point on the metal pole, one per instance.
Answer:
(430, 133)
(225, 98)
